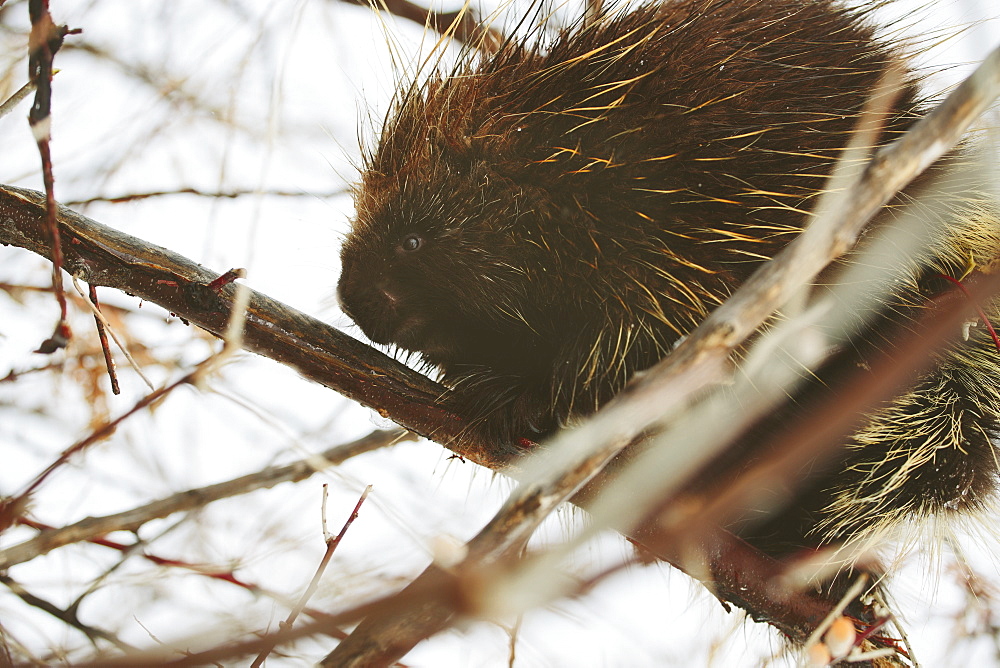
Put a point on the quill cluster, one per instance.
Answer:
(541, 222)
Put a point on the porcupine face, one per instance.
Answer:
(431, 265)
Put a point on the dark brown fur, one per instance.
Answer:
(544, 223)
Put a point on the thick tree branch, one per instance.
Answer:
(103, 256)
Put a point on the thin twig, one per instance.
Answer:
(11, 508)
(66, 616)
(170, 87)
(104, 326)
(14, 374)
(15, 287)
(331, 546)
(224, 575)
(93, 528)
(456, 587)
(102, 335)
(46, 38)
(210, 194)
(21, 93)
(125, 548)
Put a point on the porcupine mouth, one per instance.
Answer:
(407, 332)
(415, 334)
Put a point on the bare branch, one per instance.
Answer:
(461, 25)
(102, 256)
(46, 38)
(102, 334)
(67, 616)
(209, 194)
(331, 546)
(130, 520)
(15, 99)
(13, 507)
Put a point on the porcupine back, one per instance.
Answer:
(544, 221)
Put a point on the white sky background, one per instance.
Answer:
(268, 95)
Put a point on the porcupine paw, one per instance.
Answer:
(509, 413)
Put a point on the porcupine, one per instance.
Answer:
(544, 221)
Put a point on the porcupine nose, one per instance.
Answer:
(374, 305)
(343, 300)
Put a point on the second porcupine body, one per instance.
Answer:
(545, 221)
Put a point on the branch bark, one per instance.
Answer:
(103, 256)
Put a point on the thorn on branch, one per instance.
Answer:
(227, 278)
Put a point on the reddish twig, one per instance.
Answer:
(103, 541)
(215, 574)
(192, 499)
(979, 310)
(102, 334)
(331, 546)
(12, 508)
(46, 38)
(226, 278)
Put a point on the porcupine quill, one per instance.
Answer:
(544, 221)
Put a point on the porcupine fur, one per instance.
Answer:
(543, 221)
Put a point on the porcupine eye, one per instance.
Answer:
(411, 243)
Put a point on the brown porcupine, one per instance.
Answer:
(544, 221)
